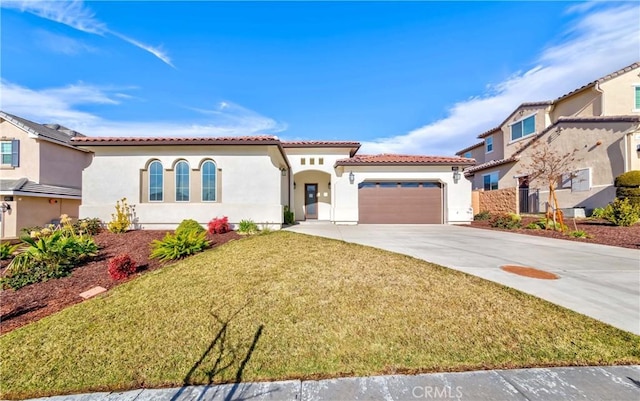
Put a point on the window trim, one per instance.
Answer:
(487, 144)
(151, 163)
(175, 181)
(511, 140)
(497, 175)
(215, 181)
(10, 153)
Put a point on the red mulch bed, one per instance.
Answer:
(35, 301)
(601, 232)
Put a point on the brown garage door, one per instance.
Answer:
(400, 203)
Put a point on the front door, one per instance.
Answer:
(311, 201)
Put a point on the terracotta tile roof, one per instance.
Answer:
(312, 144)
(468, 148)
(492, 163)
(237, 140)
(402, 160)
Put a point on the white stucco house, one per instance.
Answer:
(171, 179)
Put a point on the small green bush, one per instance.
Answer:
(598, 213)
(7, 250)
(630, 179)
(506, 220)
(88, 226)
(179, 245)
(533, 226)
(483, 215)
(633, 194)
(121, 219)
(622, 212)
(579, 234)
(190, 225)
(51, 253)
(247, 227)
(289, 217)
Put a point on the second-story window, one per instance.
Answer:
(523, 128)
(467, 155)
(182, 181)
(10, 153)
(488, 144)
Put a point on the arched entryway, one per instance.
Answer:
(312, 195)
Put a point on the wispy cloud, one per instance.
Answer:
(60, 105)
(77, 15)
(61, 44)
(603, 39)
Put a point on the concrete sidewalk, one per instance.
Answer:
(615, 383)
(599, 281)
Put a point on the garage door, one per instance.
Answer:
(400, 203)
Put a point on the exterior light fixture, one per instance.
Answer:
(329, 184)
(352, 177)
(283, 171)
(294, 185)
(456, 174)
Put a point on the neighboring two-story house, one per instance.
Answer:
(40, 173)
(601, 120)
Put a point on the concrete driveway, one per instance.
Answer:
(596, 280)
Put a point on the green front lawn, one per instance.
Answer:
(286, 305)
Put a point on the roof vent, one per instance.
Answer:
(52, 126)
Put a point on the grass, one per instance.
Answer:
(286, 305)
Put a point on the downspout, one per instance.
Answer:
(597, 88)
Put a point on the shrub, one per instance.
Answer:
(190, 225)
(533, 226)
(121, 266)
(579, 234)
(506, 220)
(629, 179)
(219, 225)
(51, 253)
(121, 219)
(598, 213)
(7, 250)
(633, 194)
(179, 245)
(483, 215)
(247, 227)
(289, 217)
(88, 226)
(622, 212)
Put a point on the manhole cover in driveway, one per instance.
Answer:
(529, 272)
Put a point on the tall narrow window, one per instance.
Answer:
(182, 182)
(208, 181)
(156, 176)
(488, 144)
(637, 98)
(5, 151)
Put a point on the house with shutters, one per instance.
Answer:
(40, 173)
(600, 120)
(255, 178)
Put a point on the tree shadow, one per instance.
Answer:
(225, 355)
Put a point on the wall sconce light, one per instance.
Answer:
(283, 171)
(329, 184)
(456, 174)
(5, 207)
(352, 177)
(294, 185)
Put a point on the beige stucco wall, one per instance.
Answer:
(61, 165)
(586, 103)
(542, 121)
(506, 174)
(619, 95)
(29, 154)
(324, 193)
(249, 182)
(29, 211)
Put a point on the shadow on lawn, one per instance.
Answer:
(225, 356)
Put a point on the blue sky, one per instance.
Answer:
(403, 77)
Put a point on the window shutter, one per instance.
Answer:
(15, 153)
(637, 97)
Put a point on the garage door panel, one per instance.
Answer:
(400, 204)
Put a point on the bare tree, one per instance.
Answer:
(547, 166)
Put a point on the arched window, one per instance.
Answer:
(208, 181)
(182, 181)
(156, 185)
